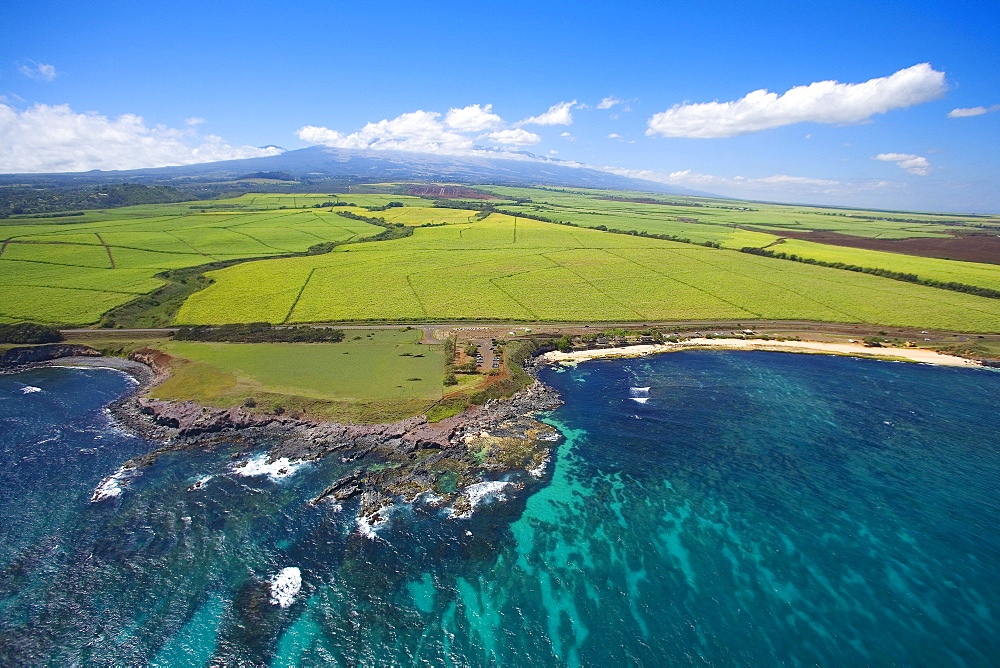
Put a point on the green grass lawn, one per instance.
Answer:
(383, 375)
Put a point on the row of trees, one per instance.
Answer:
(392, 230)
(876, 271)
(26, 200)
(29, 332)
(258, 332)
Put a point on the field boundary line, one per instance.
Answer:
(67, 287)
(186, 243)
(299, 296)
(794, 292)
(107, 248)
(416, 296)
(4, 246)
(250, 236)
(499, 287)
(588, 282)
(694, 287)
(943, 292)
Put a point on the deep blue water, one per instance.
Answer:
(756, 509)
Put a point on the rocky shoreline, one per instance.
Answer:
(449, 464)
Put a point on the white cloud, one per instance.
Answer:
(558, 114)
(36, 70)
(194, 120)
(516, 137)
(419, 131)
(911, 164)
(609, 102)
(972, 111)
(614, 135)
(428, 132)
(819, 102)
(473, 118)
(54, 138)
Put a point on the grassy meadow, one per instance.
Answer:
(371, 376)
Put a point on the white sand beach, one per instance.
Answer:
(921, 355)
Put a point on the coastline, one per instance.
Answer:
(442, 464)
(451, 464)
(918, 355)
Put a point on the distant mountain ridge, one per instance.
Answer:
(318, 163)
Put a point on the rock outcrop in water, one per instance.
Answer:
(14, 358)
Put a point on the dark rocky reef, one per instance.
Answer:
(17, 359)
(397, 462)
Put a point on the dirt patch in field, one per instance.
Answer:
(449, 192)
(967, 247)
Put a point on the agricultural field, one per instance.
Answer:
(71, 270)
(502, 267)
(509, 268)
(565, 204)
(375, 375)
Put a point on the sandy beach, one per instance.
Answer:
(921, 355)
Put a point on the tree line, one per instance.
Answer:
(875, 271)
(258, 332)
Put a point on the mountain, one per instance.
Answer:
(317, 164)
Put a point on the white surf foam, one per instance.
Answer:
(640, 400)
(539, 470)
(30, 389)
(370, 530)
(258, 465)
(112, 486)
(200, 482)
(285, 585)
(480, 491)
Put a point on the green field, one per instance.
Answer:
(373, 375)
(74, 269)
(71, 271)
(502, 268)
(587, 207)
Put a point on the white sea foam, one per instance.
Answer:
(478, 492)
(200, 482)
(30, 389)
(258, 465)
(539, 470)
(640, 400)
(638, 391)
(285, 585)
(370, 530)
(112, 486)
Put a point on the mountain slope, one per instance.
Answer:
(317, 163)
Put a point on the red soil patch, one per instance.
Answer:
(449, 192)
(967, 247)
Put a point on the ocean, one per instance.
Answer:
(703, 508)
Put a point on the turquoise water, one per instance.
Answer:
(755, 509)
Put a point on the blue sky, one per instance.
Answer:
(125, 85)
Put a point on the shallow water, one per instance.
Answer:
(756, 508)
